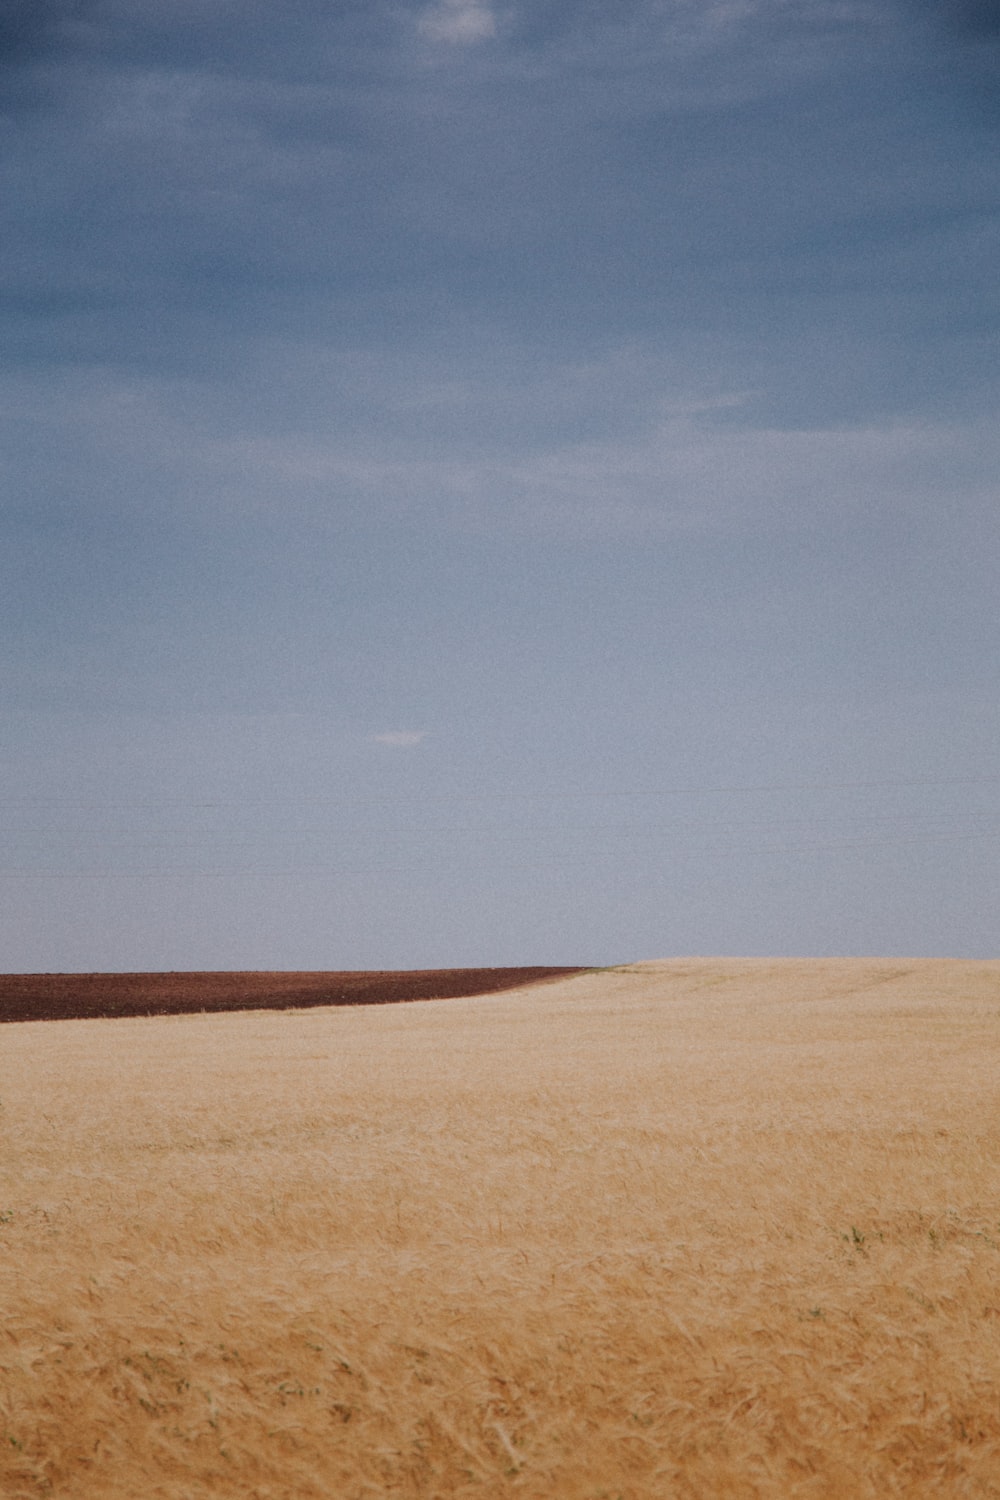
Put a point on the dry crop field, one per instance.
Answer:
(703, 1228)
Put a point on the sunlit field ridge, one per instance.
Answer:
(698, 1228)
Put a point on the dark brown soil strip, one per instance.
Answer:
(63, 997)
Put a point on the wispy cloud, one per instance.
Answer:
(400, 738)
(458, 21)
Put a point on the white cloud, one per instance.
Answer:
(400, 737)
(460, 21)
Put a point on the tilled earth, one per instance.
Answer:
(63, 997)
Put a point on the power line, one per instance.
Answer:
(677, 852)
(887, 784)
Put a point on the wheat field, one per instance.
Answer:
(702, 1228)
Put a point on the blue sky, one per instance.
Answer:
(497, 482)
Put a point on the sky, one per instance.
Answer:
(497, 481)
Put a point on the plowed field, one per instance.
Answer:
(64, 997)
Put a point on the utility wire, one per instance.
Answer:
(497, 796)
